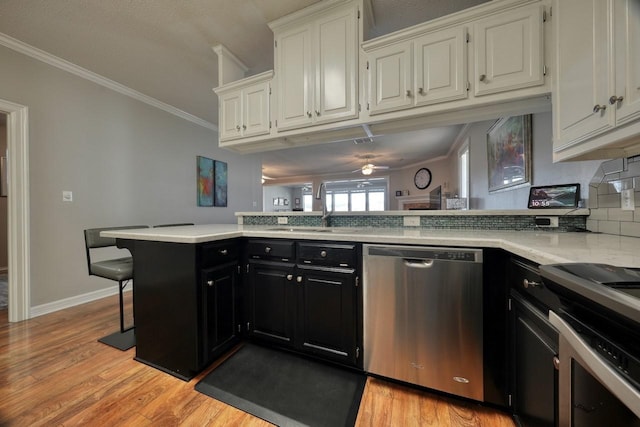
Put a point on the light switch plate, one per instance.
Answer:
(67, 196)
(411, 221)
(283, 220)
(628, 200)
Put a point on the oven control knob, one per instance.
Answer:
(530, 283)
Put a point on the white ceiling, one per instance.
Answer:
(162, 48)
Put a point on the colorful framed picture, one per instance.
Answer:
(220, 192)
(205, 181)
(509, 153)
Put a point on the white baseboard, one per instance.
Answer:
(51, 307)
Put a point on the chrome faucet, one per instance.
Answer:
(323, 197)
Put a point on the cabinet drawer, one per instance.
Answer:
(271, 249)
(339, 255)
(213, 254)
(526, 279)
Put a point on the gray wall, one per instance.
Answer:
(125, 161)
(544, 170)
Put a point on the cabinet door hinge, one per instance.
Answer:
(359, 108)
(239, 271)
(248, 326)
(468, 86)
(276, 123)
(247, 268)
(367, 65)
(367, 106)
(357, 352)
(510, 402)
(239, 328)
(509, 304)
(357, 281)
(468, 38)
(269, 90)
(358, 13)
(275, 43)
(544, 70)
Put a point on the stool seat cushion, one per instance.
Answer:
(114, 269)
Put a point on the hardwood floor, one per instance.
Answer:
(53, 372)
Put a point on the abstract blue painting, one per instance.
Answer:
(220, 193)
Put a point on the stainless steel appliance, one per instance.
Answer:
(423, 316)
(599, 329)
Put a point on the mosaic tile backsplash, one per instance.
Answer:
(471, 222)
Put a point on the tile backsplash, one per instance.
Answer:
(605, 198)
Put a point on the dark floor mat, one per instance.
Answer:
(285, 389)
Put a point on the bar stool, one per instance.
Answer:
(117, 269)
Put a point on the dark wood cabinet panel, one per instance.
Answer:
(219, 314)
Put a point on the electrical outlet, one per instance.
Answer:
(283, 220)
(412, 221)
(67, 196)
(627, 200)
(546, 221)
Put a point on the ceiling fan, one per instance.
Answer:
(368, 167)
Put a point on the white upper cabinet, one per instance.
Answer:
(596, 97)
(244, 107)
(390, 80)
(316, 64)
(508, 51)
(430, 69)
(440, 66)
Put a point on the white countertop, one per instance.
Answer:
(538, 246)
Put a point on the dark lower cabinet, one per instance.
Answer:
(327, 317)
(298, 300)
(271, 301)
(219, 286)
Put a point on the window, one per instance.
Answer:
(307, 202)
(463, 171)
(357, 195)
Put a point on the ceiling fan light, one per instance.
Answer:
(367, 169)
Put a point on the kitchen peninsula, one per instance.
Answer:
(200, 289)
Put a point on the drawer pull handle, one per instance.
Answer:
(299, 279)
(530, 283)
(223, 251)
(615, 99)
(408, 94)
(267, 249)
(210, 283)
(289, 277)
(323, 254)
(421, 91)
(556, 362)
(483, 77)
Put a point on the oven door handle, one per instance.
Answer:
(589, 359)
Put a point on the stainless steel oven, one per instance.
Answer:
(598, 324)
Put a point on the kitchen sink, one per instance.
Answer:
(310, 230)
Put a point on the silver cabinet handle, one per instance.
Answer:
(526, 283)
(299, 279)
(556, 362)
(244, 127)
(317, 113)
(238, 128)
(615, 99)
(599, 108)
(267, 249)
(483, 77)
(308, 113)
(323, 254)
(421, 91)
(409, 93)
(289, 277)
(210, 282)
(223, 251)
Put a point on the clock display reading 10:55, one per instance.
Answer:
(422, 179)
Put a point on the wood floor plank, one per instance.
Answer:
(54, 372)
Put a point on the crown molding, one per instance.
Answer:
(69, 67)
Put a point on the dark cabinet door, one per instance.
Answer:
(535, 377)
(219, 289)
(326, 322)
(272, 301)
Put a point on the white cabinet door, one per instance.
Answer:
(294, 73)
(509, 51)
(390, 78)
(230, 125)
(255, 106)
(583, 74)
(440, 66)
(336, 67)
(627, 54)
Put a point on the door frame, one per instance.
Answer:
(18, 210)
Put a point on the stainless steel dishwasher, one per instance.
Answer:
(423, 316)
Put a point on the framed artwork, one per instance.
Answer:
(509, 153)
(205, 181)
(220, 189)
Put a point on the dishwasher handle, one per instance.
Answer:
(418, 263)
